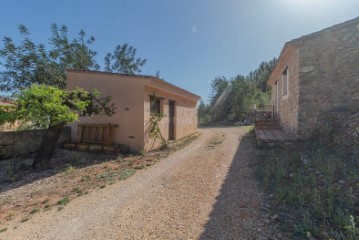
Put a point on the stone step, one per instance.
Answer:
(271, 138)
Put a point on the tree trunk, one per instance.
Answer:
(47, 147)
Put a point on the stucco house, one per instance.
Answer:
(316, 73)
(136, 97)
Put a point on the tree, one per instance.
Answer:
(29, 63)
(232, 99)
(204, 116)
(52, 108)
(261, 75)
(123, 60)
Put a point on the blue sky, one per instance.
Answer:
(189, 41)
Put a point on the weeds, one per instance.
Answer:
(12, 173)
(126, 173)
(3, 230)
(64, 201)
(78, 191)
(319, 188)
(25, 219)
(70, 169)
(107, 175)
(85, 178)
(9, 217)
(34, 210)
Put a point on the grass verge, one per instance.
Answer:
(314, 191)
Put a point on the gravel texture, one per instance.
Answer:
(205, 191)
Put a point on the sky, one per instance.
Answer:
(191, 42)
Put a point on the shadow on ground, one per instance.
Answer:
(238, 212)
(15, 173)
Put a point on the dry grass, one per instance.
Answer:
(73, 174)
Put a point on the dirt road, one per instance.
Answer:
(205, 191)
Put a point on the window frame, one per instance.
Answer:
(157, 108)
(285, 83)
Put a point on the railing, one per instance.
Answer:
(263, 112)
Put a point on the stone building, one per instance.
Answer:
(136, 98)
(315, 74)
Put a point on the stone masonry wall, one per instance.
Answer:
(288, 104)
(339, 130)
(23, 143)
(329, 75)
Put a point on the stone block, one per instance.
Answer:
(69, 146)
(95, 148)
(82, 147)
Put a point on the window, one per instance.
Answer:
(155, 105)
(285, 81)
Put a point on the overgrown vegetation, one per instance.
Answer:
(232, 99)
(315, 192)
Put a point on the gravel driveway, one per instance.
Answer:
(205, 191)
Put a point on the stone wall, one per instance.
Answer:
(23, 143)
(339, 130)
(329, 75)
(288, 104)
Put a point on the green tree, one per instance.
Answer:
(30, 63)
(204, 114)
(123, 60)
(52, 108)
(261, 75)
(232, 99)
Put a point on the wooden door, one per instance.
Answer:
(171, 116)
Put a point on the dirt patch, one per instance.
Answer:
(199, 192)
(25, 192)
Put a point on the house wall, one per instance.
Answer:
(329, 75)
(185, 116)
(288, 104)
(127, 95)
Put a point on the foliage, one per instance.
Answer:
(317, 189)
(154, 129)
(52, 108)
(46, 106)
(29, 63)
(123, 60)
(204, 114)
(232, 99)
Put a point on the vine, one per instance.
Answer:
(155, 118)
